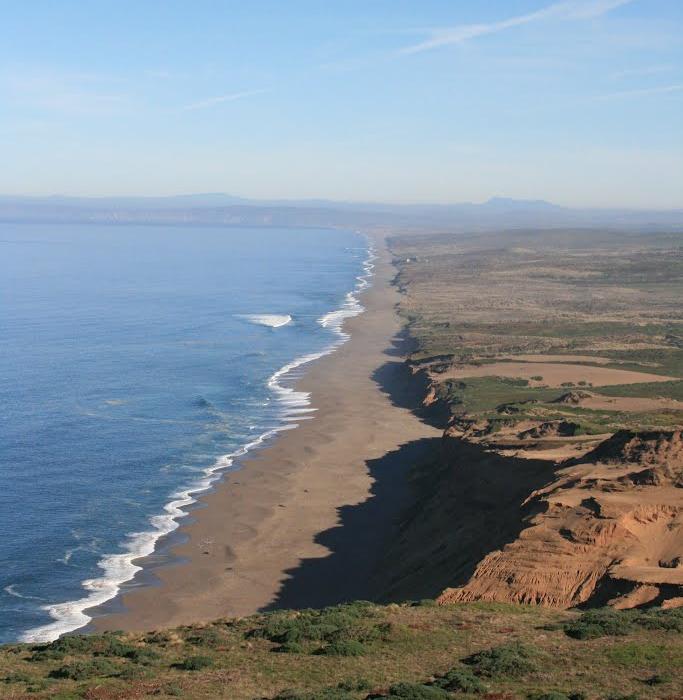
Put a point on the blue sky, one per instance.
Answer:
(577, 101)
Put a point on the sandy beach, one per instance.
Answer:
(304, 520)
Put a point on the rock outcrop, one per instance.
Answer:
(607, 528)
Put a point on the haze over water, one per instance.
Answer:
(134, 359)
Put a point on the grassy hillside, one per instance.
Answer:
(361, 650)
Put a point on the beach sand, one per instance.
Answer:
(304, 521)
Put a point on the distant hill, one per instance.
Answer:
(227, 210)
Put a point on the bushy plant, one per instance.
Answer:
(658, 679)
(344, 647)
(460, 680)
(81, 670)
(600, 623)
(72, 644)
(205, 637)
(194, 663)
(660, 619)
(18, 677)
(355, 684)
(336, 626)
(325, 694)
(512, 660)
(416, 691)
(556, 695)
(607, 622)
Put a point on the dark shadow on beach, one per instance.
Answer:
(408, 389)
(357, 543)
(436, 510)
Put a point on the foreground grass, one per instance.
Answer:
(361, 650)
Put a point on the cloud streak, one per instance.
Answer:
(639, 72)
(567, 10)
(212, 101)
(642, 92)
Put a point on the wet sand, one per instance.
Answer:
(304, 521)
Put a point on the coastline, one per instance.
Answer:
(146, 550)
(250, 542)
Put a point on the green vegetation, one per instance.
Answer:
(604, 296)
(666, 390)
(507, 661)
(607, 622)
(461, 680)
(476, 395)
(476, 650)
(343, 630)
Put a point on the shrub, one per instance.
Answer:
(658, 679)
(355, 622)
(18, 677)
(194, 663)
(161, 638)
(72, 644)
(174, 690)
(357, 684)
(38, 685)
(325, 694)
(658, 619)
(81, 670)
(46, 655)
(142, 655)
(555, 695)
(206, 637)
(291, 648)
(416, 691)
(609, 622)
(114, 647)
(600, 623)
(460, 680)
(513, 660)
(344, 647)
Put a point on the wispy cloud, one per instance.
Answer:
(231, 97)
(567, 10)
(643, 71)
(641, 92)
(49, 90)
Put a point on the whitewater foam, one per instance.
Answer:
(120, 568)
(270, 320)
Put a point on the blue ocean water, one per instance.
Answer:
(136, 364)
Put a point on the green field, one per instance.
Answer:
(361, 650)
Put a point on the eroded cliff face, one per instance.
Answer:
(605, 528)
(554, 362)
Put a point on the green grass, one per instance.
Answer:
(410, 651)
(608, 622)
(667, 390)
(475, 395)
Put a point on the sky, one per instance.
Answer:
(579, 102)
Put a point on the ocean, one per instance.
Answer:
(138, 364)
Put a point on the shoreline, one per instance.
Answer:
(147, 550)
(246, 544)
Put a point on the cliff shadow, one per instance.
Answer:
(436, 509)
(467, 503)
(357, 542)
(408, 389)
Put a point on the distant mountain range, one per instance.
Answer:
(226, 210)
